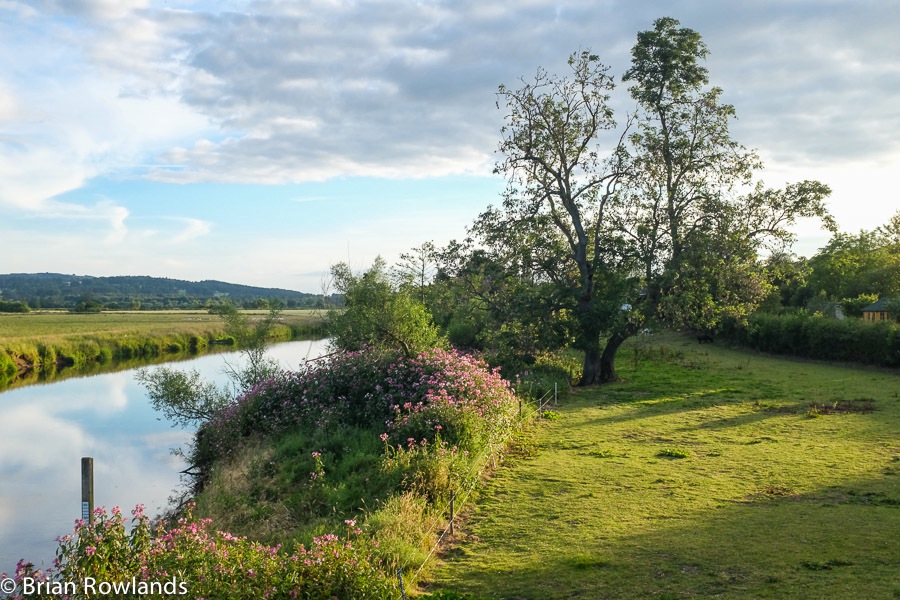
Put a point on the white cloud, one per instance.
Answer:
(276, 91)
(311, 91)
(193, 229)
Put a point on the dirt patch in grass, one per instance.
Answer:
(857, 405)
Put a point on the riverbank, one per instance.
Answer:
(46, 345)
(45, 429)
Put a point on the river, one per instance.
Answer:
(46, 429)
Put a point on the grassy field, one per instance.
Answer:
(44, 345)
(49, 324)
(707, 472)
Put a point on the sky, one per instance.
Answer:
(261, 142)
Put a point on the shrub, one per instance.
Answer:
(14, 306)
(191, 557)
(820, 337)
(435, 391)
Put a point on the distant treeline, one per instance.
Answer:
(20, 292)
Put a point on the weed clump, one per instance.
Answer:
(672, 453)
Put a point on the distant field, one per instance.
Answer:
(706, 473)
(17, 327)
(44, 345)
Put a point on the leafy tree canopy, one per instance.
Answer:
(379, 315)
(657, 218)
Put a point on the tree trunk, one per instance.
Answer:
(591, 370)
(608, 358)
(588, 339)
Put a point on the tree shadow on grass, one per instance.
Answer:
(837, 542)
(673, 404)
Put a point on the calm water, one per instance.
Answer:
(46, 429)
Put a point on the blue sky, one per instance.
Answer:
(260, 142)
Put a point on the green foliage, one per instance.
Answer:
(252, 337)
(853, 307)
(182, 396)
(892, 305)
(8, 367)
(665, 64)
(820, 337)
(87, 306)
(14, 306)
(850, 266)
(378, 315)
(545, 373)
(673, 453)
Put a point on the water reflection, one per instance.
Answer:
(46, 429)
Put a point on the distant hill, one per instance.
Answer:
(55, 290)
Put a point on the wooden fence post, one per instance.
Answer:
(87, 489)
(452, 508)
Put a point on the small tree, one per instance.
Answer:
(182, 396)
(376, 314)
(252, 338)
(416, 270)
(189, 401)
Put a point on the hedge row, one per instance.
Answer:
(819, 337)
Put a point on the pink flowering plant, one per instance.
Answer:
(349, 434)
(189, 558)
(438, 390)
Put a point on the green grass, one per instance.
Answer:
(701, 475)
(53, 324)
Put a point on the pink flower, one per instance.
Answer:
(90, 550)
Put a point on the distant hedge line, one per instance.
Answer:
(818, 337)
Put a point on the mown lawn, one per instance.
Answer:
(705, 473)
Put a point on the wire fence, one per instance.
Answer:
(458, 500)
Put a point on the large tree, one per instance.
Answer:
(658, 219)
(561, 179)
(688, 207)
